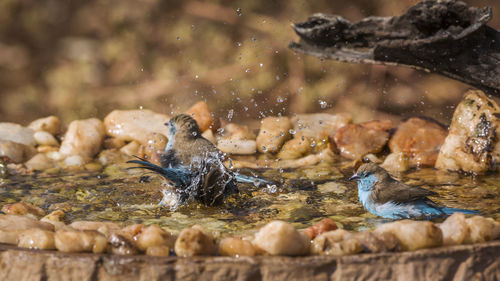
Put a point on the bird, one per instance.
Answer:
(194, 165)
(389, 198)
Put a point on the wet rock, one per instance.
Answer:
(16, 152)
(39, 162)
(131, 149)
(44, 138)
(318, 125)
(209, 135)
(106, 228)
(335, 243)
(135, 125)
(158, 251)
(234, 246)
(121, 245)
(74, 161)
(482, 229)
(472, 144)
(154, 236)
(356, 140)
(23, 209)
(396, 162)
(46, 148)
(194, 241)
(295, 148)
(17, 133)
(241, 147)
(455, 230)
(201, 113)
(280, 238)
(50, 124)
(274, 131)
(111, 143)
(12, 225)
(4, 171)
(414, 235)
(420, 139)
(316, 229)
(155, 145)
(36, 238)
(236, 132)
(84, 138)
(76, 241)
(55, 218)
(373, 242)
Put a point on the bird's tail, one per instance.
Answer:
(248, 179)
(177, 175)
(450, 211)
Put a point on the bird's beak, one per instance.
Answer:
(354, 177)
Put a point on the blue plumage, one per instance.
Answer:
(386, 197)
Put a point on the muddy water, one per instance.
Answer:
(303, 197)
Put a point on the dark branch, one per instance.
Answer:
(446, 37)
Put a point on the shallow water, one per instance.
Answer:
(305, 195)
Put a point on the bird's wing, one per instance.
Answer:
(399, 192)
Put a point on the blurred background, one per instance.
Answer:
(81, 59)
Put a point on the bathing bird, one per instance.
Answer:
(194, 165)
(386, 197)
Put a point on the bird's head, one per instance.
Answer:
(183, 124)
(368, 175)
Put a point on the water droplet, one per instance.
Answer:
(279, 99)
(238, 44)
(178, 38)
(292, 131)
(277, 77)
(141, 107)
(323, 104)
(247, 70)
(230, 114)
(238, 12)
(196, 76)
(261, 64)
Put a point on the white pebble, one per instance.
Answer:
(74, 160)
(44, 138)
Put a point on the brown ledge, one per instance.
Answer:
(465, 262)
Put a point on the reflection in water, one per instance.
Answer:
(305, 195)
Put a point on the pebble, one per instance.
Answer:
(23, 209)
(201, 113)
(209, 135)
(154, 236)
(36, 238)
(132, 148)
(420, 139)
(234, 246)
(281, 238)
(194, 241)
(335, 243)
(110, 143)
(74, 161)
(295, 148)
(158, 251)
(17, 133)
(455, 230)
(356, 140)
(241, 147)
(414, 235)
(16, 152)
(12, 225)
(320, 227)
(55, 218)
(84, 138)
(482, 229)
(396, 162)
(153, 148)
(234, 131)
(472, 144)
(318, 125)
(50, 124)
(76, 241)
(274, 131)
(44, 138)
(105, 228)
(122, 245)
(135, 125)
(39, 162)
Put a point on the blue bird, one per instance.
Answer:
(386, 197)
(194, 165)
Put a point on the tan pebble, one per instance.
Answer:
(39, 162)
(455, 230)
(482, 229)
(83, 138)
(76, 241)
(274, 131)
(414, 235)
(36, 238)
(335, 243)
(111, 143)
(194, 241)
(232, 246)
(281, 238)
(46, 148)
(295, 148)
(130, 149)
(44, 138)
(316, 229)
(201, 113)
(135, 125)
(22, 208)
(154, 235)
(241, 147)
(396, 162)
(50, 124)
(158, 251)
(121, 245)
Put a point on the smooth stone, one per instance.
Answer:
(22, 209)
(295, 148)
(414, 235)
(279, 238)
(209, 135)
(203, 116)
(233, 246)
(396, 162)
(74, 161)
(17, 133)
(131, 148)
(84, 138)
(241, 147)
(76, 241)
(318, 125)
(44, 138)
(194, 241)
(39, 162)
(50, 124)
(274, 131)
(234, 131)
(16, 152)
(420, 139)
(135, 125)
(36, 238)
(472, 144)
